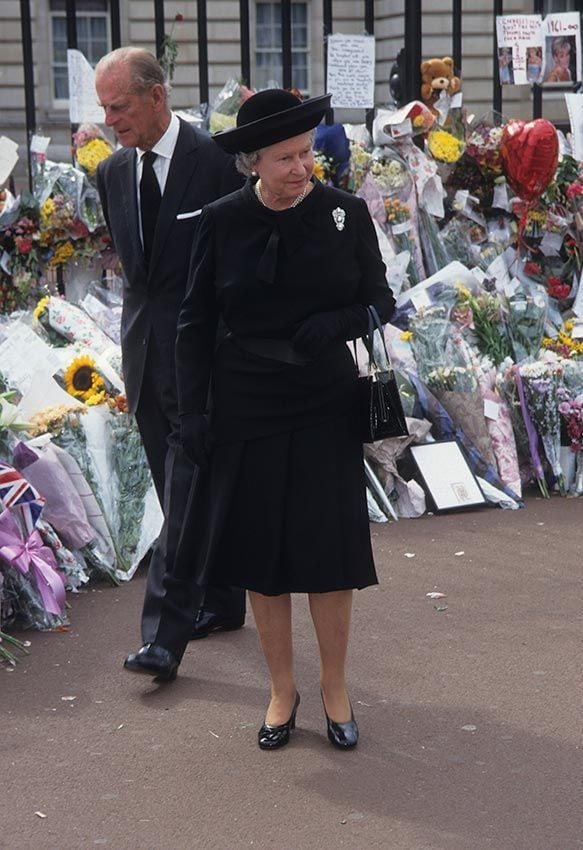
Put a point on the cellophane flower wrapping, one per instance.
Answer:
(396, 187)
(74, 569)
(526, 312)
(445, 366)
(571, 411)
(103, 304)
(65, 427)
(508, 390)
(22, 596)
(499, 424)
(480, 318)
(223, 113)
(542, 382)
(63, 508)
(69, 323)
(360, 159)
(133, 480)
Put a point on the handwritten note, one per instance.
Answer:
(8, 157)
(351, 60)
(83, 104)
(520, 54)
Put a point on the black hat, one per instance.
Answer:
(271, 116)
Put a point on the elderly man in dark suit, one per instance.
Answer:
(152, 192)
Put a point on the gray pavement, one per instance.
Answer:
(469, 708)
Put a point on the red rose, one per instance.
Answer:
(531, 268)
(559, 290)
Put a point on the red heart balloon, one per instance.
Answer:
(530, 153)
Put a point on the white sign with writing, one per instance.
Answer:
(351, 61)
(575, 109)
(520, 49)
(8, 157)
(83, 104)
(562, 48)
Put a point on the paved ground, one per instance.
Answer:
(469, 708)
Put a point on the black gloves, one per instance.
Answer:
(195, 438)
(319, 330)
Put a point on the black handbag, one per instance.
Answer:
(380, 412)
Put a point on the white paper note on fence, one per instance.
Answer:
(8, 157)
(83, 104)
(575, 109)
(351, 67)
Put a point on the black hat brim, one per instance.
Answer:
(274, 128)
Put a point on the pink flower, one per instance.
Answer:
(24, 245)
(464, 317)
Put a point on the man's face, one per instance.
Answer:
(138, 119)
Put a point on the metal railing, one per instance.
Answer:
(407, 66)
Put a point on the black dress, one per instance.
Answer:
(283, 507)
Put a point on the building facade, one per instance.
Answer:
(49, 32)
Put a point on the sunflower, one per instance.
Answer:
(40, 308)
(82, 379)
(96, 398)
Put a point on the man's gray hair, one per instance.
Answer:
(145, 70)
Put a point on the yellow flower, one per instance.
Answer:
(41, 307)
(63, 253)
(406, 336)
(318, 171)
(444, 147)
(81, 378)
(464, 292)
(96, 398)
(90, 155)
(46, 213)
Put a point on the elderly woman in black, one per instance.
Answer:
(282, 274)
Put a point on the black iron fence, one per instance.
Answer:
(407, 68)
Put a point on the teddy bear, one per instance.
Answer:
(437, 75)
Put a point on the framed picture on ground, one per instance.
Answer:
(447, 476)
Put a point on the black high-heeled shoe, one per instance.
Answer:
(271, 737)
(341, 735)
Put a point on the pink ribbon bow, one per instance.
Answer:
(32, 555)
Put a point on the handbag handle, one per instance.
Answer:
(374, 323)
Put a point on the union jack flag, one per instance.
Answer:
(20, 497)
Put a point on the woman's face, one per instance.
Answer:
(285, 168)
(562, 57)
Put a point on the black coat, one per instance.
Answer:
(199, 172)
(262, 274)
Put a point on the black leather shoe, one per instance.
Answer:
(153, 660)
(342, 735)
(207, 622)
(272, 737)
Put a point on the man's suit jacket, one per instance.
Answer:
(200, 172)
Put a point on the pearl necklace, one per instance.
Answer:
(297, 201)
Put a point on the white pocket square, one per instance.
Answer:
(182, 216)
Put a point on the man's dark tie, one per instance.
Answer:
(150, 197)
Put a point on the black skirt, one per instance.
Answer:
(287, 513)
